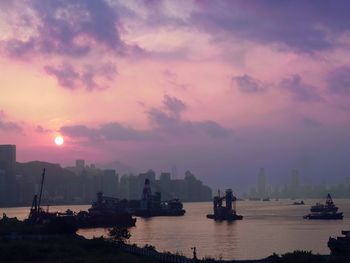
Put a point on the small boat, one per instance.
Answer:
(299, 203)
(327, 211)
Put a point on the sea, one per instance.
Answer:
(275, 226)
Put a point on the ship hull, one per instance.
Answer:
(105, 220)
(336, 216)
(225, 218)
(160, 212)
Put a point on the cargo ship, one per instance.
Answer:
(227, 212)
(105, 212)
(327, 211)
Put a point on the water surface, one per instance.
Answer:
(267, 227)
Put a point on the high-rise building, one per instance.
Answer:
(295, 184)
(8, 158)
(8, 167)
(262, 184)
(110, 181)
(174, 171)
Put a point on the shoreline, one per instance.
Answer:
(75, 248)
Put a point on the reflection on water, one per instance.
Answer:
(267, 227)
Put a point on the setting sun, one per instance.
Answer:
(59, 140)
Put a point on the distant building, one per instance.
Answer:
(110, 182)
(294, 184)
(262, 184)
(8, 166)
(80, 164)
(8, 158)
(174, 171)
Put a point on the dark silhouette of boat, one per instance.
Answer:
(340, 245)
(299, 203)
(105, 212)
(227, 212)
(151, 205)
(50, 222)
(110, 211)
(325, 211)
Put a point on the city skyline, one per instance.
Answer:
(219, 88)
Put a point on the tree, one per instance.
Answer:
(119, 234)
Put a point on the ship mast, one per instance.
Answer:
(41, 187)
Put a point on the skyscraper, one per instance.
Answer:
(110, 182)
(8, 167)
(262, 184)
(8, 158)
(295, 184)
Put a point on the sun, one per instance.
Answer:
(59, 140)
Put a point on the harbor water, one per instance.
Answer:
(267, 227)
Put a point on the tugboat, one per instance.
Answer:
(227, 212)
(325, 211)
(151, 205)
(340, 245)
(105, 212)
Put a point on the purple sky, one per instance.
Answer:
(221, 88)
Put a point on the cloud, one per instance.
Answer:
(310, 122)
(41, 129)
(65, 75)
(304, 27)
(169, 121)
(247, 84)
(174, 105)
(69, 28)
(172, 80)
(166, 123)
(71, 32)
(8, 126)
(338, 81)
(299, 90)
(68, 77)
(113, 131)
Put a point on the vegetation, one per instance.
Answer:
(306, 257)
(119, 234)
(65, 249)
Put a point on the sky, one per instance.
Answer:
(221, 88)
